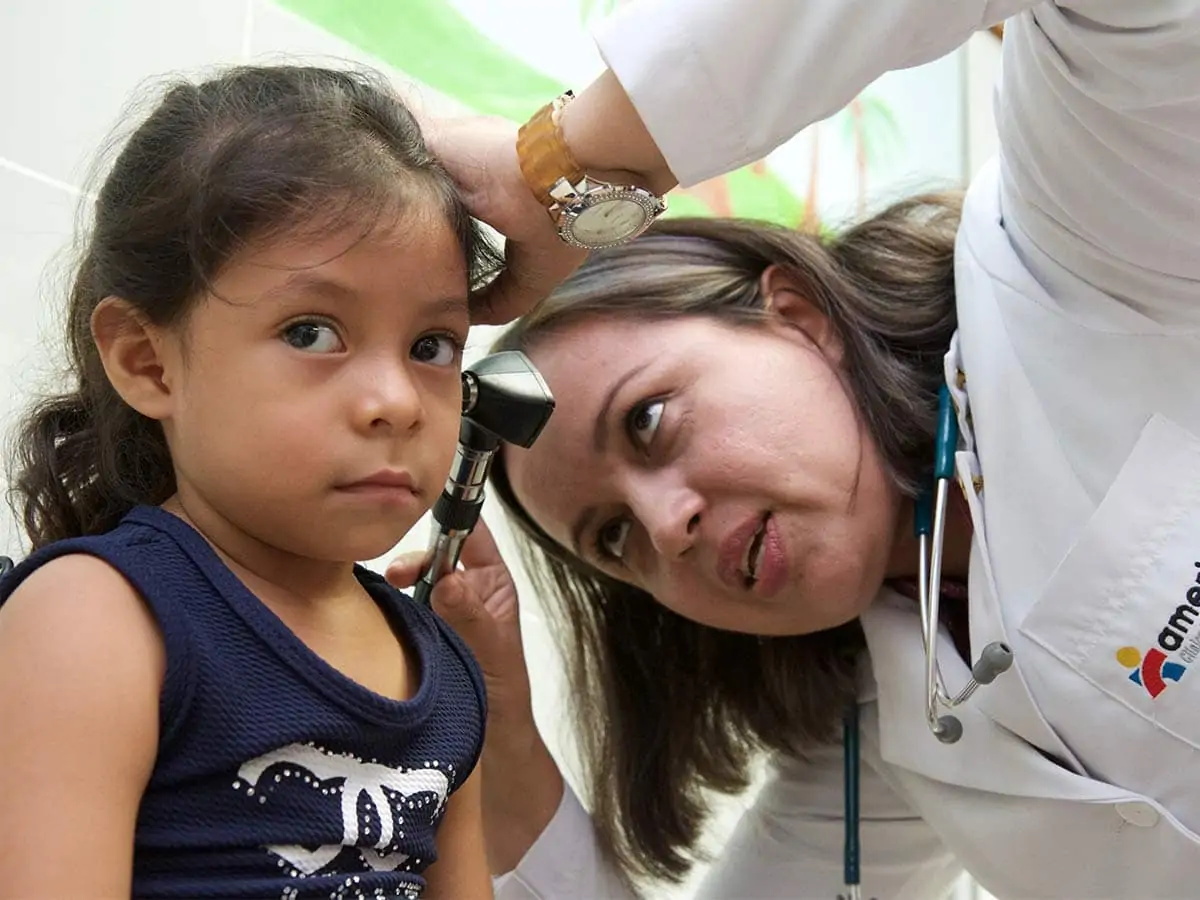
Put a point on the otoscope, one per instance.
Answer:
(505, 400)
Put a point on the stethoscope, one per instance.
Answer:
(929, 523)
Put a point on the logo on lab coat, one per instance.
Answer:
(1158, 665)
(1152, 671)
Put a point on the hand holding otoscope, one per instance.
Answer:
(505, 400)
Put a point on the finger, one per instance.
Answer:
(480, 548)
(405, 569)
(531, 274)
(464, 611)
(501, 301)
(495, 644)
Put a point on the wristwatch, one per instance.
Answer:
(588, 213)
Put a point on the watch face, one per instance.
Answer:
(608, 221)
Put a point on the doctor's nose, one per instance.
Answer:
(388, 400)
(672, 520)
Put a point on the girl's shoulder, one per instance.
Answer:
(78, 584)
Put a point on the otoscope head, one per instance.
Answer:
(506, 398)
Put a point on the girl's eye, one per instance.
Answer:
(643, 421)
(313, 337)
(437, 350)
(610, 539)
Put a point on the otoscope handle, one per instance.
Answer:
(453, 520)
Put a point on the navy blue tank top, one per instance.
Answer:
(276, 775)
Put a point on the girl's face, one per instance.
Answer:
(723, 470)
(314, 395)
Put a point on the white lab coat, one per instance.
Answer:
(1078, 279)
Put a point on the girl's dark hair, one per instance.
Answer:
(667, 710)
(251, 153)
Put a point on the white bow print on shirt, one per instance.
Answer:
(357, 778)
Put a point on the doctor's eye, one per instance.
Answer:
(643, 420)
(610, 539)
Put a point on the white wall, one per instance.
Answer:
(982, 71)
(69, 67)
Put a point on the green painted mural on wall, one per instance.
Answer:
(434, 43)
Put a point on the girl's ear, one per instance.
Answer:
(134, 353)
(784, 298)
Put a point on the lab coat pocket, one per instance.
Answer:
(1122, 610)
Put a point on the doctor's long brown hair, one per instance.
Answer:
(667, 710)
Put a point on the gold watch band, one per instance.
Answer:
(543, 154)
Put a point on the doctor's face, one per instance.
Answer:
(721, 468)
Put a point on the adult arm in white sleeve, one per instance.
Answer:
(721, 83)
(1098, 113)
(1097, 108)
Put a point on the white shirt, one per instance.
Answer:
(1078, 286)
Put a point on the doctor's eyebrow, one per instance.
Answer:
(600, 431)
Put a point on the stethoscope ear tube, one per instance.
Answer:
(930, 527)
(851, 759)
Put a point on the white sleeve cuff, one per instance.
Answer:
(565, 861)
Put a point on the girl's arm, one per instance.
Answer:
(461, 872)
(81, 667)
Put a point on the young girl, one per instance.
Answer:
(201, 694)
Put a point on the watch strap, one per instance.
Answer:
(542, 153)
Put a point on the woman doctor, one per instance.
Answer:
(1074, 372)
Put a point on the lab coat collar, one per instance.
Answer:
(979, 360)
